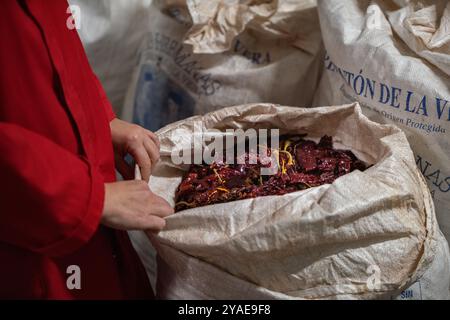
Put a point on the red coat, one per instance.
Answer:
(55, 156)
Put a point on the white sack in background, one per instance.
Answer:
(199, 56)
(425, 28)
(111, 32)
(369, 234)
(394, 59)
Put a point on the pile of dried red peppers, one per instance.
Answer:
(302, 164)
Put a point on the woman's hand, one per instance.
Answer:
(141, 144)
(130, 205)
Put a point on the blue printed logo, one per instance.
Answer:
(159, 100)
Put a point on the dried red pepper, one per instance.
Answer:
(302, 164)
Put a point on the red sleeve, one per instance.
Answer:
(51, 200)
(105, 101)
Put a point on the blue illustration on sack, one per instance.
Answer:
(159, 100)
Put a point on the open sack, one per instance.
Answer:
(370, 234)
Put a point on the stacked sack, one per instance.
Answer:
(199, 56)
(393, 57)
